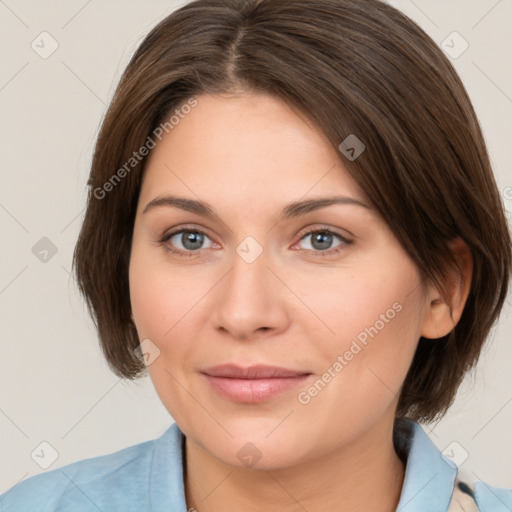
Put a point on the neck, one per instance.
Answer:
(365, 474)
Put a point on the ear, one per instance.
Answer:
(444, 311)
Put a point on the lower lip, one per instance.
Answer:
(253, 390)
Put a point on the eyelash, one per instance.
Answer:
(324, 230)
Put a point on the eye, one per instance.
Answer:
(186, 241)
(191, 241)
(322, 240)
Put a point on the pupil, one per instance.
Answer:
(324, 238)
(195, 239)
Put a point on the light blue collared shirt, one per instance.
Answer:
(148, 477)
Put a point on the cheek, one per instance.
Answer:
(363, 367)
(162, 306)
(372, 303)
(150, 304)
(161, 297)
(376, 330)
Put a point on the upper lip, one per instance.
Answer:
(233, 371)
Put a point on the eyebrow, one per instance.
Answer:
(291, 210)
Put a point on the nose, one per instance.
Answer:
(250, 301)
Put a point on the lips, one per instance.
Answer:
(252, 384)
(232, 371)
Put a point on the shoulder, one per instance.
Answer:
(119, 479)
(493, 499)
(471, 495)
(434, 482)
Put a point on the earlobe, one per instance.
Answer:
(439, 320)
(443, 311)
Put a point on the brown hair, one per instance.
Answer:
(352, 67)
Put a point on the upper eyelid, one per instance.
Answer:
(321, 229)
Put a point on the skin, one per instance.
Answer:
(248, 155)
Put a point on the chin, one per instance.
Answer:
(251, 446)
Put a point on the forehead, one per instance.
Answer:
(247, 149)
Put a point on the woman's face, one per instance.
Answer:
(341, 308)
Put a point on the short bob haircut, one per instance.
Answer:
(351, 67)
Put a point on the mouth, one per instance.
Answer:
(252, 384)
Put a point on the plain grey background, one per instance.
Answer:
(56, 389)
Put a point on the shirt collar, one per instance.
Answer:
(429, 475)
(166, 486)
(428, 483)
